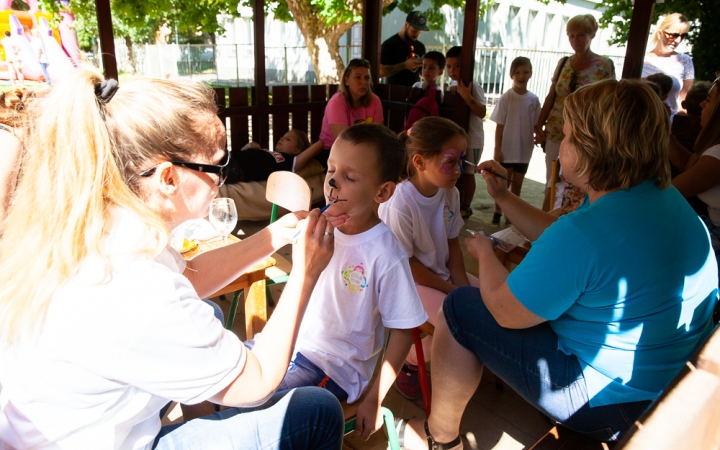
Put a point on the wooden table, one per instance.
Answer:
(252, 282)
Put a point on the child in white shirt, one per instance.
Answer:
(474, 97)
(424, 216)
(367, 286)
(515, 115)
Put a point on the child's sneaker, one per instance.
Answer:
(496, 218)
(407, 383)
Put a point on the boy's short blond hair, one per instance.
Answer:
(619, 131)
(584, 22)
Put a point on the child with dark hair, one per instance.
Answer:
(252, 163)
(686, 127)
(367, 286)
(515, 114)
(423, 215)
(474, 96)
(663, 82)
(432, 69)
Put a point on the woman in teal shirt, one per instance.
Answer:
(610, 301)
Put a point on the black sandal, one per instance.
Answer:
(400, 425)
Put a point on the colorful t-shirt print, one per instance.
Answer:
(354, 278)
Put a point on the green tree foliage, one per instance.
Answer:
(703, 36)
(323, 22)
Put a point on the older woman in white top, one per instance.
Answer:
(101, 323)
(671, 31)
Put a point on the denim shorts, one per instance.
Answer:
(302, 372)
(529, 361)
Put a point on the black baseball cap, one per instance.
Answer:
(417, 20)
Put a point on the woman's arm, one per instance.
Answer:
(306, 155)
(10, 147)
(680, 157)
(529, 220)
(456, 264)
(687, 84)
(703, 175)
(267, 362)
(494, 290)
(423, 275)
(498, 156)
(545, 111)
(336, 129)
(369, 417)
(215, 269)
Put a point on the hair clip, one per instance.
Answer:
(106, 90)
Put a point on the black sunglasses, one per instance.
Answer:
(674, 36)
(221, 170)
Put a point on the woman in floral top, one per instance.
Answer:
(583, 67)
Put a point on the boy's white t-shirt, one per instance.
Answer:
(423, 225)
(518, 113)
(711, 197)
(476, 134)
(366, 287)
(113, 352)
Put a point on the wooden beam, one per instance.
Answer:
(371, 34)
(259, 35)
(637, 38)
(107, 39)
(468, 54)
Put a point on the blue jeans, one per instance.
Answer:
(304, 418)
(302, 372)
(530, 362)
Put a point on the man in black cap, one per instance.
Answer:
(401, 55)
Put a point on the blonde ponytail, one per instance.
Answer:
(81, 157)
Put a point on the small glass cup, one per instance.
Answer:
(223, 216)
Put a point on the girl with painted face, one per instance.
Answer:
(424, 215)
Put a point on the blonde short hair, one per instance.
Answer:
(584, 22)
(672, 23)
(619, 131)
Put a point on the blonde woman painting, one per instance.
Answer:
(101, 323)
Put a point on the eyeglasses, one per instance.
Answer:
(221, 170)
(573, 82)
(672, 37)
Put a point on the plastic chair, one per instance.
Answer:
(290, 191)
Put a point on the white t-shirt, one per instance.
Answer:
(711, 197)
(366, 288)
(679, 67)
(423, 225)
(476, 134)
(518, 113)
(114, 349)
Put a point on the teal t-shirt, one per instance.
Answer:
(628, 283)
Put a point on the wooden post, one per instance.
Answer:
(107, 40)
(468, 55)
(372, 32)
(259, 127)
(637, 38)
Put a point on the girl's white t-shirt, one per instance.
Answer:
(115, 348)
(423, 225)
(518, 114)
(711, 197)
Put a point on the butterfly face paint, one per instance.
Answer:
(449, 161)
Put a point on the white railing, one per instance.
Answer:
(234, 65)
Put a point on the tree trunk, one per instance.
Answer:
(130, 67)
(321, 40)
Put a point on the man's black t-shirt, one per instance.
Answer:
(256, 165)
(393, 51)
